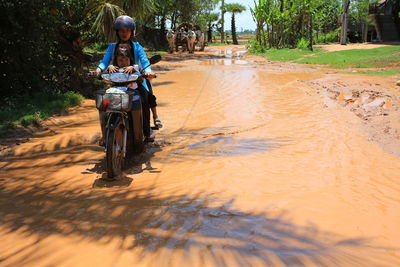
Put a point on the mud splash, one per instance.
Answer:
(250, 170)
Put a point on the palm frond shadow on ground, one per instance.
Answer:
(140, 219)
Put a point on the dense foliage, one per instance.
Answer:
(42, 41)
(42, 47)
(292, 23)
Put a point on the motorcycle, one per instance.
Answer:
(121, 108)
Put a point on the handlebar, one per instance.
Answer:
(140, 75)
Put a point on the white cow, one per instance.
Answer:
(191, 41)
(200, 39)
(171, 40)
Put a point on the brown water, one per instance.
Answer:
(250, 170)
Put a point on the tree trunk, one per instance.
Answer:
(162, 26)
(173, 21)
(311, 32)
(343, 38)
(234, 37)
(364, 32)
(222, 21)
(209, 33)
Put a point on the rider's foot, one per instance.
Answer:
(149, 139)
(158, 123)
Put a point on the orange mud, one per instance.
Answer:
(252, 168)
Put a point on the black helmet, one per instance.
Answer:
(124, 22)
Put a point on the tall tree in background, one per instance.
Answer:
(211, 18)
(222, 21)
(259, 19)
(234, 9)
(344, 18)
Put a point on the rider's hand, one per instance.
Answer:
(97, 72)
(112, 69)
(150, 75)
(130, 70)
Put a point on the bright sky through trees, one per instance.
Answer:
(244, 19)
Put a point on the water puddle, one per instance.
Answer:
(224, 146)
(224, 62)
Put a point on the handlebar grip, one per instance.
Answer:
(146, 76)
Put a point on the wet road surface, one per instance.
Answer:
(250, 170)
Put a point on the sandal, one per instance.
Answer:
(158, 123)
(148, 140)
(102, 142)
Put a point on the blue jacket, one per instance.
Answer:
(140, 58)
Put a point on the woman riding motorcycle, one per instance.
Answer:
(125, 28)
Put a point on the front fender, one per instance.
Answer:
(113, 120)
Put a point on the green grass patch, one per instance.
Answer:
(378, 72)
(285, 54)
(31, 111)
(224, 44)
(155, 52)
(357, 58)
(217, 44)
(247, 36)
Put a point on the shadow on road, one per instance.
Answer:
(218, 232)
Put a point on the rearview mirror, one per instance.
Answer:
(155, 59)
(89, 58)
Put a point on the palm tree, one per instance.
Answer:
(108, 11)
(103, 25)
(210, 18)
(234, 9)
(138, 9)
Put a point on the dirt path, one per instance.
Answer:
(256, 166)
(339, 47)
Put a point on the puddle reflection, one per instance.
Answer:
(224, 146)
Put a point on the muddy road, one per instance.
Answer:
(252, 168)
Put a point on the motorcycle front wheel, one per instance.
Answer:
(114, 150)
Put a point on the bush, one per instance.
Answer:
(41, 46)
(303, 44)
(328, 38)
(32, 110)
(31, 119)
(255, 47)
(96, 48)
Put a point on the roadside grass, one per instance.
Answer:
(155, 52)
(356, 58)
(247, 36)
(31, 111)
(286, 54)
(217, 44)
(388, 56)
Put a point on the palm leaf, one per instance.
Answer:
(140, 10)
(104, 22)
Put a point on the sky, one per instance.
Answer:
(243, 20)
